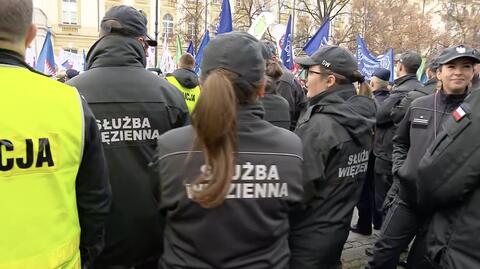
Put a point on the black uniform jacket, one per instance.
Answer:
(390, 113)
(133, 108)
(250, 229)
(450, 187)
(91, 186)
(336, 131)
(276, 110)
(290, 89)
(422, 123)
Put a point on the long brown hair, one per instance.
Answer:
(214, 121)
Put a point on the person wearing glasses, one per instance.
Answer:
(133, 108)
(336, 131)
(229, 181)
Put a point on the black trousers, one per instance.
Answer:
(369, 212)
(402, 224)
(150, 264)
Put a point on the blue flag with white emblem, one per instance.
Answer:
(367, 63)
(199, 56)
(287, 51)
(320, 38)
(225, 24)
(190, 49)
(46, 58)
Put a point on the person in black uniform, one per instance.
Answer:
(389, 114)
(228, 181)
(277, 109)
(450, 181)
(336, 131)
(133, 108)
(422, 123)
(371, 200)
(288, 87)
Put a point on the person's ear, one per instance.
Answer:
(331, 80)
(439, 72)
(31, 33)
(261, 88)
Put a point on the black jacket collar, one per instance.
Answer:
(116, 50)
(13, 58)
(401, 80)
(335, 94)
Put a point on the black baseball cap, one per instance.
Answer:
(381, 73)
(238, 52)
(131, 22)
(433, 64)
(270, 48)
(455, 52)
(411, 60)
(333, 58)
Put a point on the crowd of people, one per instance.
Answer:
(239, 167)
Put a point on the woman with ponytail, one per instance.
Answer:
(228, 181)
(336, 131)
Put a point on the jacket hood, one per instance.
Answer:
(116, 50)
(186, 77)
(354, 112)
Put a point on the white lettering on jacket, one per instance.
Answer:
(126, 129)
(249, 181)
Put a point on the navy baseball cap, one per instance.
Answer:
(131, 22)
(381, 73)
(334, 58)
(238, 52)
(455, 52)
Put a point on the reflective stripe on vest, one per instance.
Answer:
(41, 142)
(190, 95)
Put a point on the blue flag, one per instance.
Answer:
(225, 24)
(367, 62)
(320, 38)
(287, 51)
(46, 59)
(199, 56)
(190, 49)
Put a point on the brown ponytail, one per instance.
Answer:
(214, 121)
(363, 87)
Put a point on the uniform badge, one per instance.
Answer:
(461, 49)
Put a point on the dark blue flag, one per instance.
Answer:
(367, 62)
(46, 59)
(287, 51)
(225, 24)
(190, 49)
(199, 56)
(320, 38)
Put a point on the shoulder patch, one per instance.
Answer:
(460, 112)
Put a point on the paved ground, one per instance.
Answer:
(353, 256)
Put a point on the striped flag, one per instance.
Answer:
(46, 59)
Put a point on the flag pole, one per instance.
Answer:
(156, 32)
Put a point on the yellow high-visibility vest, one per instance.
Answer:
(41, 147)
(190, 95)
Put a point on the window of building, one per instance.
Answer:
(69, 12)
(168, 25)
(238, 3)
(191, 29)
